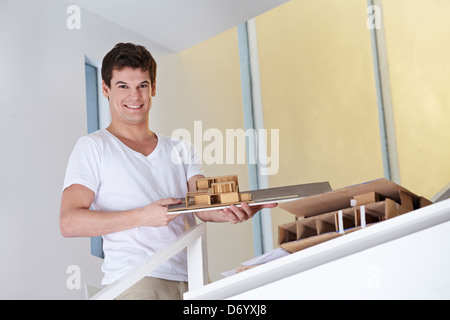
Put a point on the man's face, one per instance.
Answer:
(130, 95)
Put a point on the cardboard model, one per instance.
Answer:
(326, 216)
(216, 191)
(221, 192)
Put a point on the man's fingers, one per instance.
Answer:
(173, 216)
(240, 213)
(230, 215)
(263, 206)
(169, 201)
(248, 210)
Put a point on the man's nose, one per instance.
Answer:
(135, 93)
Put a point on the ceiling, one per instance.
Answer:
(178, 24)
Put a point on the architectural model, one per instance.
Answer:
(223, 191)
(326, 216)
(216, 191)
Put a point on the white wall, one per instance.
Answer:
(42, 115)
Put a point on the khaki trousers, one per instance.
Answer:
(150, 288)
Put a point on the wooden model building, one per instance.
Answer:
(216, 191)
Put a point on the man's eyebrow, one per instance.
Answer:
(123, 82)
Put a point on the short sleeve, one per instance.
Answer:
(84, 165)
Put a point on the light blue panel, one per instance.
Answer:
(93, 125)
(247, 102)
(91, 98)
(380, 104)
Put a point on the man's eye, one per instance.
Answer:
(122, 86)
(144, 86)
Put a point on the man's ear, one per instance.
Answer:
(105, 90)
(154, 88)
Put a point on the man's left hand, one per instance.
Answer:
(235, 214)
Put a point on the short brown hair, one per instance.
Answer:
(128, 55)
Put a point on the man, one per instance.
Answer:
(127, 175)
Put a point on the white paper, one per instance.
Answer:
(267, 257)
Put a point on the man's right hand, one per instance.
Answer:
(77, 220)
(155, 214)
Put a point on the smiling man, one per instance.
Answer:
(120, 180)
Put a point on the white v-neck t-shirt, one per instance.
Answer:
(123, 179)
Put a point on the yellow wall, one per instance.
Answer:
(418, 47)
(318, 89)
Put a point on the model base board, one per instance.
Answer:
(259, 197)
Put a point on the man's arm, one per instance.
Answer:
(233, 214)
(76, 220)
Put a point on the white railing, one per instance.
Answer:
(195, 241)
(300, 275)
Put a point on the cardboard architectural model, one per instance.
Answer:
(332, 214)
(221, 192)
(213, 191)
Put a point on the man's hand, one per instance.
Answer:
(155, 214)
(233, 214)
(236, 214)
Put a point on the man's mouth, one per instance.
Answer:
(133, 106)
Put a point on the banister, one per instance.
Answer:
(195, 241)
